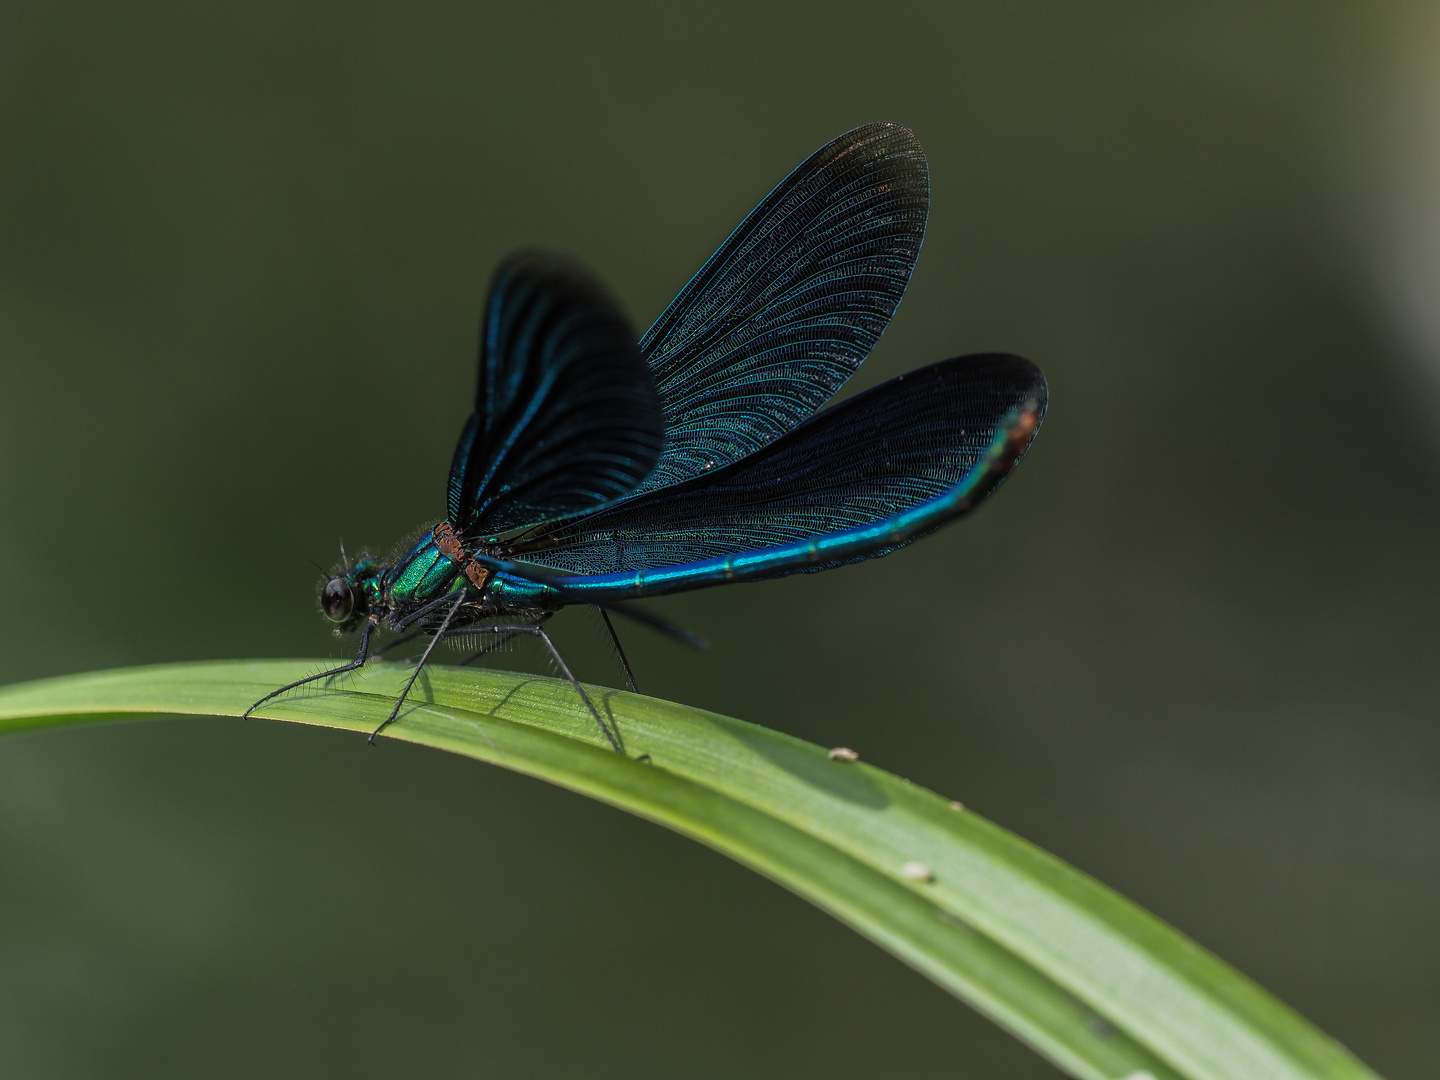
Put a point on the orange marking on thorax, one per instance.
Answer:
(448, 544)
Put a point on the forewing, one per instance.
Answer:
(788, 307)
(566, 414)
(877, 454)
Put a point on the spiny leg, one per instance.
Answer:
(421, 612)
(536, 630)
(358, 662)
(405, 639)
(488, 649)
(459, 599)
(620, 652)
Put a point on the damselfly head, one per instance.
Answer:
(351, 593)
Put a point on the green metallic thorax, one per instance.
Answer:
(423, 573)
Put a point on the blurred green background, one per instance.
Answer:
(1190, 648)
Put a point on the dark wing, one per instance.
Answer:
(566, 415)
(869, 458)
(785, 311)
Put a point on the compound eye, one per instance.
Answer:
(337, 601)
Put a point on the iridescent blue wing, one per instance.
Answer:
(899, 456)
(566, 415)
(784, 312)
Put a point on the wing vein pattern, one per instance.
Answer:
(870, 457)
(785, 311)
(566, 414)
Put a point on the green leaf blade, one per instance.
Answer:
(1100, 987)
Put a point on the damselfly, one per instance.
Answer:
(596, 470)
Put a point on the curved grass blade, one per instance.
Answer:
(1094, 983)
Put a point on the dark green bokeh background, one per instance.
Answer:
(1189, 648)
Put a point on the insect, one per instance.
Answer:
(595, 470)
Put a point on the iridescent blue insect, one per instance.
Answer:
(595, 471)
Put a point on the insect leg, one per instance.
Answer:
(539, 631)
(655, 622)
(620, 652)
(421, 612)
(536, 630)
(459, 599)
(359, 661)
(495, 644)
